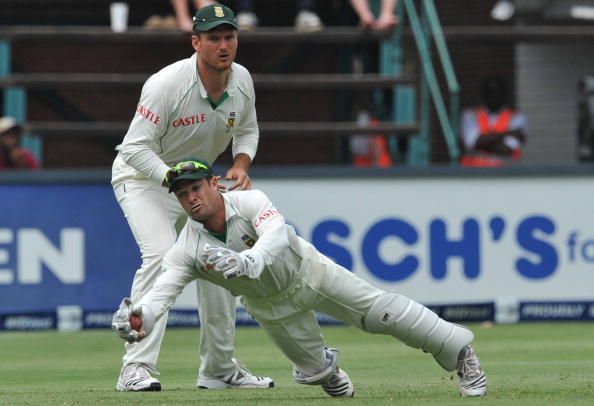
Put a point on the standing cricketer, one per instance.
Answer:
(193, 107)
(239, 240)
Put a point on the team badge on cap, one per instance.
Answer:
(213, 15)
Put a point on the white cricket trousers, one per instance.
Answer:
(155, 217)
(289, 318)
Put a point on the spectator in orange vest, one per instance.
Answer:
(493, 133)
(369, 150)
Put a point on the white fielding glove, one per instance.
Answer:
(248, 263)
(120, 321)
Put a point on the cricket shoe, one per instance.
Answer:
(339, 385)
(242, 378)
(473, 381)
(137, 378)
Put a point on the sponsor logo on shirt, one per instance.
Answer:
(191, 120)
(149, 115)
(265, 216)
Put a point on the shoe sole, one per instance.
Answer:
(226, 386)
(153, 387)
(473, 393)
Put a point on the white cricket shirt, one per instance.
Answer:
(252, 223)
(174, 120)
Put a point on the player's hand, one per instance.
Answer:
(168, 176)
(220, 187)
(248, 263)
(241, 178)
(120, 322)
(131, 323)
(222, 260)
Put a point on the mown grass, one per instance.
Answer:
(526, 364)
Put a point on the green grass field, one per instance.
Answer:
(527, 364)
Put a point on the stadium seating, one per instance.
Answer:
(82, 83)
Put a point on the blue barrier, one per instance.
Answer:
(63, 245)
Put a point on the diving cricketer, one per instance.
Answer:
(240, 241)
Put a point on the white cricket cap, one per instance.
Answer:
(8, 123)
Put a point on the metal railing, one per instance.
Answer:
(21, 83)
(425, 26)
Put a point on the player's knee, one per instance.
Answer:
(418, 327)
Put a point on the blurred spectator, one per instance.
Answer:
(585, 122)
(386, 20)
(306, 21)
(492, 133)
(182, 13)
(12, 155)
(369, 150)
(156, 22)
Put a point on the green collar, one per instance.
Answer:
(221, 237)
(217, 103)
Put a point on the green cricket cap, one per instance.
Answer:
(194, 169)
(213, 15)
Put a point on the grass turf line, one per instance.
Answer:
(526, 364)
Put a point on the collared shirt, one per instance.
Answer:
(174, 120)
(252, 223)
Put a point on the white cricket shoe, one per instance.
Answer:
(247, 20)
(242, 378)
(339, 385)
(308, 21)
(136, 378)
(473, 381)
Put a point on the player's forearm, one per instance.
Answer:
(145, 161)
(246, 143)
(161, 297)
(242, 161)
(272, 241)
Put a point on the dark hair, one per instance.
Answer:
(493, 83)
